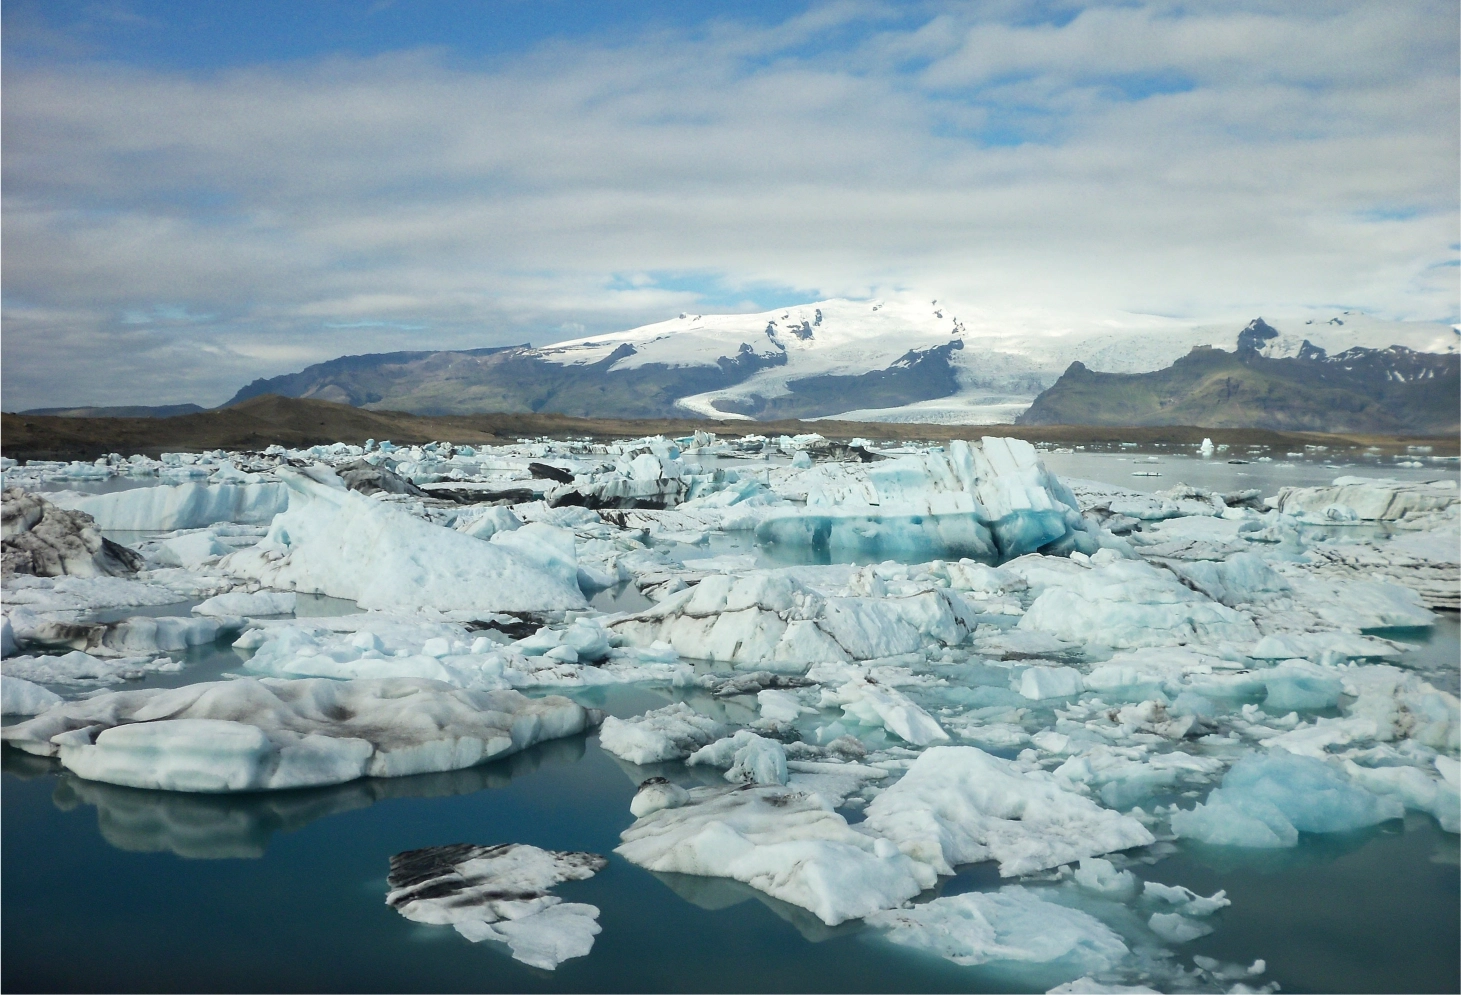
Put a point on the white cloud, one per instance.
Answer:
(1155, 158)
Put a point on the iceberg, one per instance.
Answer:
(338, 542)
(252, 735)
(669, 733)
(499, 893)
(959, 805)
(168, 507)
(787, 843)
(1265, 802)
(1013, 924)
(21, 697)
(43, 539)
(746, 758)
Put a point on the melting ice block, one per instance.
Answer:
(746, 758)
(341, 543)
(987, 502)
(250, 735)
(257, 603)
(1125, 604)
(669, 733)
(959, 805)
(21, 697)
(1013, 924)
(499, 893)
(1267, 801)
(787, 843)
(166, 507)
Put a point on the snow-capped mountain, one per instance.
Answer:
(873, 360)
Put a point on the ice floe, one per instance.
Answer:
(249, 735)
(499, 893)
(959, 805)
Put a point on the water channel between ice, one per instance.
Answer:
(111, 888)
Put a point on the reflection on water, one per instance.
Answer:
(1372, 911)
(216, 827)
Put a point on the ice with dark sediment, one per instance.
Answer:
(250, 735)
(500, 894)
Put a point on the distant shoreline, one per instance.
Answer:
(271, 419)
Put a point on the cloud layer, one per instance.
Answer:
(170, 235)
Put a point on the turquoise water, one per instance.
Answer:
(109, 888)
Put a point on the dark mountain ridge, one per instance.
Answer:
(1392, 390)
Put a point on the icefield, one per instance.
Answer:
(874, 668)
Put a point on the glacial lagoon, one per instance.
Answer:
(110, 887)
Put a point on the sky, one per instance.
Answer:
(198, 194)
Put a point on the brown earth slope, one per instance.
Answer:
(263, 421)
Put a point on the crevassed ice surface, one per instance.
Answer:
(969, 717)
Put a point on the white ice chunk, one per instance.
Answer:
(880, 705)
(257, 603)
(1038, 683)
(1099, 875)
(669, 733)
(751, 759)
(166, 508)
(1013, 924)
(499, 893)
(1176, 928)
(21, 697)
(959, 805)
(341, 543)
(787, 843)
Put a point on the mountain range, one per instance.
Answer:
(1391, 390)
(895, 360)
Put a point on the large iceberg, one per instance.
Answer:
(988, 502)
(194, 505)
(338, 542)
(250, 735)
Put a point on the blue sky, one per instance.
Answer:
(196, 194)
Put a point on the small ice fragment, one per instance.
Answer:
(1176, 928)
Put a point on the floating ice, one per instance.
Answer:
(750, 759)
(194, 505)
(787, 843)
(1123, 604)
(499, 893)
(1267, 801)
(959, 805)
(1176, 928)
(669, 733)
(1050, 682)
(1366, 499)
(77, 667)
(1295, 684)
(249, 735)
(1013, 924)
(42, 539)
(337, 542)
(21, 697)
(257, 603)
(880, 705)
